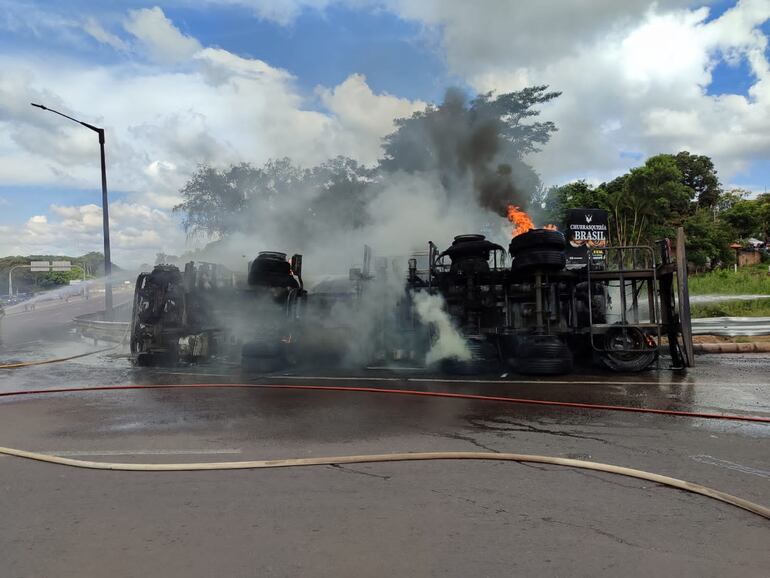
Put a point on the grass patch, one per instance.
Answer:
(755, 308)
(747, 281)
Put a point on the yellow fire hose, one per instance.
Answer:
(56, 360)
(69, 358)
(400, 457)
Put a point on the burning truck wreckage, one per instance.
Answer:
(547, 304)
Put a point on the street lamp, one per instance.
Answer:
(105, 211)
(10, 277)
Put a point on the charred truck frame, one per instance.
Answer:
(537, 307)
(562, 298)
(208, 311)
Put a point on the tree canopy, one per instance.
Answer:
(669, 191)
(484, 139)
(478, 149)
(475, 146)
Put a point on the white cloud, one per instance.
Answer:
(364, 116)
(162, 40)
(162, 120)
(634, 77)
(282, 11)
(638, 67)
(503, 35)
(96, 31)
(137, 232)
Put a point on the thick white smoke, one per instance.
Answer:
(449, 344)
(407, 211)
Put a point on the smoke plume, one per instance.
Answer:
(449, 344)
(451, 169)
(468, 145)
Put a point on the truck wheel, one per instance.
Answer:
(484, 359)
(538, 238)
(616, 355)
(546, 259)
(544, 366)
(263, 356)
(543, 355)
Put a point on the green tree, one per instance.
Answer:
(728, 199)
(648, 202)
(745, 217)
(344, 189)
(763, 213)
(58, 278)
(219, 202)
(482, 141)
(212, 200)
(577, 194)
(708, 241)
(699, 174)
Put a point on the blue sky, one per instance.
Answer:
(249, 80)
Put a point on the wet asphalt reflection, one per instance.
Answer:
(477, 518)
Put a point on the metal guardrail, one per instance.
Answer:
(113, 331)
(731, 326)
(93, 326)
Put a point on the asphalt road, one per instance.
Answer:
(52, 318)
(397, 519)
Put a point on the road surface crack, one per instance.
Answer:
(470, 440)
(609, 535)
(527, 428)
(613, 482)
(470, 501)
(354, 471)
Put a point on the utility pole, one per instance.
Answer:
(105, 211)
(10, 278)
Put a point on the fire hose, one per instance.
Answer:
(374, 458)
(413, 392)
(68, 358)
(55, 360)
(400, 457)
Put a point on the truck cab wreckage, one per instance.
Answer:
(541, 306)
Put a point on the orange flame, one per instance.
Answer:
(521, 221)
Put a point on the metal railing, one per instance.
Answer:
(631, 266)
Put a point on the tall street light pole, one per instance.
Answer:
(105, 211)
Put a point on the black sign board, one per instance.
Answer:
(586, 231)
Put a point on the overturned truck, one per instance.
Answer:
(542, 305)
(550, 300)
(207, 311)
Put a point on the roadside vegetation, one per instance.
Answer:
(669, 191)
(89, 266)
(753, 308)
(752, 280)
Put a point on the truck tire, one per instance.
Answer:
(544, 366)
(537, 238)
(545, 259)
(263, 356)
(615, 355)
(484, 359)
(543, 355)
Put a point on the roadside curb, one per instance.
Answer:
(760, 347)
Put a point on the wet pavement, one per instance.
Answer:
(23, 325)
(410, 519)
